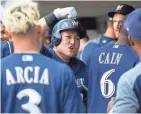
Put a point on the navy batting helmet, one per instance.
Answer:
(65, 24)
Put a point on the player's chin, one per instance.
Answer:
(71, 54)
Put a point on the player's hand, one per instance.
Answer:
(110, 105)
(68, 12)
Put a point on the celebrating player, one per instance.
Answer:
(112, 33)
(106, 65)
(66, 36)
(46, 22)
(128, 98)
(31, 82)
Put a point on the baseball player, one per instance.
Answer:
(28, 82)
(106, 65)
(65, 39)
(46, 22)
(117, 16)
(128, 98)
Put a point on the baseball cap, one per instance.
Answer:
(123, 9)
(133, 24)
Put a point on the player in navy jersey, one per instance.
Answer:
(128, 98)
(28, 81)
(91, 45)
(106, 65)
(112, 33)
(65, 39)
(46, 23)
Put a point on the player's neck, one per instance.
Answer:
(109, 33)
(61, 56)
(26, 45)
(122, 41)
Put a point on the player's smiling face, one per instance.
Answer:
(70, 43)
(117, 23)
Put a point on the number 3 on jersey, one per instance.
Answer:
(106, 82)
(34, 100)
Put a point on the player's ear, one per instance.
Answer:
(38, 29)
(131, 41)
(8, 33)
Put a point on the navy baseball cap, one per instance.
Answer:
(133, 24)
(123, 9)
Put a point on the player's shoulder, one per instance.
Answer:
(131, 75)
(96, 52)
(91, 45)
(59, 66)
(54, 56)
(115, 47)
(130, 51)
(53, 62)
(45, 51)
(108, 46)
(7, 58)
(37, 58)
(135, 71)
(77, 65)
(6, 48)
(101, 49)
(78, 62)
(8, 61)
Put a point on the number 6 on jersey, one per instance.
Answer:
(105, 81)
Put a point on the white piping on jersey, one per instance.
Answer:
(9, 47)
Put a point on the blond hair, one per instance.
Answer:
(21, 17)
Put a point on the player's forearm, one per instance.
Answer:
(49, 20)
(59, 13)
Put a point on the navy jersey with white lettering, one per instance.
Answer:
(106, 65)
(94, 44)
(128, 98)
(35, 83)
(80, 72)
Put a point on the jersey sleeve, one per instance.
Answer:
(126, 99)
(73, 102)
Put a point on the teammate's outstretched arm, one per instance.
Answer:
(60, 13)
